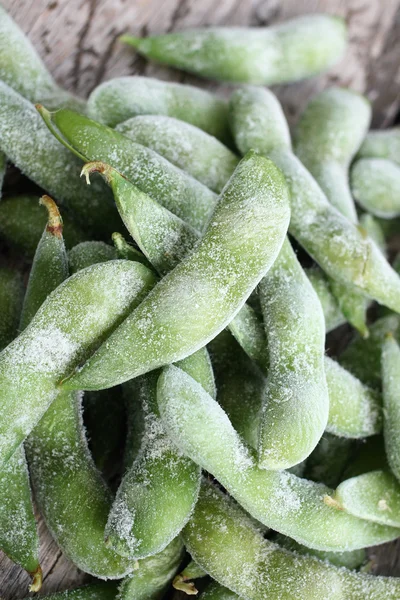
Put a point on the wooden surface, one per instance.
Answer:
(77, 39)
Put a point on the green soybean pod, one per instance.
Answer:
(210, 285)
(70, 324)
(391, 402)
(215, 591)
(119, 99)
(22, 222)
(153, 174)
(375, 184)
(296, 402)
(30, 146)
(50, 263)
(223, 540)
(101, 590)
(344, 252)
(90, 253)
(374, 496)
(330, 306)
(282, 53)
(185, 146)
(382, 144)
(277, 499)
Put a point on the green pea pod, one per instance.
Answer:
(121, 98)
(221, 539)
(296, 402)
(22, 68)
(154, 175)
(209, 286)
(344, 252)
(278, 499)
(71, 323)
(382, 144)
(285, 52)
(18, 534)
(100, 590)
(30, 146)
(50, 264)
(391, 402)
(329, 459)
(374, 496)
(22, 222)
(86, 254)
(182, 581)
(331, 309)
(375, 184)
(185, 146)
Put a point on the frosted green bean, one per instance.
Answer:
(375, 184)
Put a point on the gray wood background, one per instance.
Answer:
(77, 40)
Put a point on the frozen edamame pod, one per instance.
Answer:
(152, 173)
(278, 499)
(185, 146)
(222, 539)
(121, 98)
(382, 144)
(23, 70)
(344, 252)
(374, 496)
(86, 254)
(282, 53)
(296, 402)
(215, 591)
(391, 402)
(205, 291)
(70, 324)
(29, 145)
(50, 264)
(332, 313)
(22, 221)
(375, 184)
(101, 590)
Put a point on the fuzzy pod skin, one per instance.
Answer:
(382, 144)
(330, 306)
(185, 146)
(22, 221)
(282, 53)
(374, 496)
(296, 402)
(205, 291)
(344, 252)
(363, 357)
(86, 254)
(221, 539)
(31, 147)
(215, 591)
(327, 137)
(375, 184)
(50, 263)
(70, 324)
(121, 98)
(278, 499)
(22, 69)
(153, 174)
(101, 590)
(391, 402)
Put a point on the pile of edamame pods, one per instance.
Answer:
(166, 396)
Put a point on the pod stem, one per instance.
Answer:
(37, 579)
(47, 118)
(131, 40)
(97, 166)
(54, 220)
(332, 502)
(180, 583)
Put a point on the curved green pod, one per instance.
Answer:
(330, 306)
(282, 53)
(215, 591)
(221, 539)
(375, 184)
(22, 221)
(100, 590)
(70, 324)
(22, 69)
(344, 252)
(154, 175)
(88, 253)
(119, 99)
(296, 402)
(374, 496)
(185, 146)
(391, 402)
(30, 146)
(278, 499)
(382, 144)
(327, 137)
(209, 286)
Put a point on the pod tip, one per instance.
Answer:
(180, 583)
(37, 579)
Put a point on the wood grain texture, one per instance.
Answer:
(77, 40)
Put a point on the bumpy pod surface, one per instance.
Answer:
(375, 184)
(391, 402)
